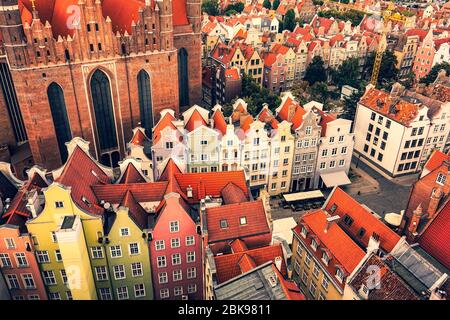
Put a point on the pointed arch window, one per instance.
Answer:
(183, 77)
(145, 101)
(103, 110)
(60, 119)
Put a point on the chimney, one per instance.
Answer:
(33, 203)
(330, 221)
(189, 192)
(435, 198)
(374, 243)
(364, 292)
(414, 223)
(278, 262)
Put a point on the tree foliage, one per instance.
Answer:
(211, 7)
(350, 104)
(315, 72)
(256, 96)
(234, 8)
(431, 76)
(355, 17)
(275, 4)
(347, 73)
(267, 4)
(388, 70)
(289, 22)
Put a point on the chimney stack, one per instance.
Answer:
(330, 221)
(435, 198)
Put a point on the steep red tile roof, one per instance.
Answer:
(227, 266)
(81, 167)
(232, 74)
(267, 117)
(436, 159)
(340, 245)
(382, 102)
(135, 211)
(231, 193)
(195, 121)
(279, 49)
(435, 238)
(170, 170)
(297, 119)
(132, 175)
(255, 216)
(18, 205)
(164, 122)
(362, 218)
(121, 12)
(417, 32)
(210, 183)
(219, 122)
(139, 138)
(142, 192)
(325, 118)
(246, 263)
(290, 289)
(269, 59)
(238, 246)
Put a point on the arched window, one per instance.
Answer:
(145, 101)
(183, 77)
(60, 120)
(103, 109)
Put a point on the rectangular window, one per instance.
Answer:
(159, 245)
(174, 226)
(49, 277)
(100, 273)
(122, 293)
(58, 255)
(177, 275)
(134, 248)
(162, 277)
(97, 252)
(63, 276)
(105, 294)
(190, 240)
(164, 293)
(119, 272)
(192, 288)
(139, 290)
(136, 269)
(162, 262)
(12, 281)
(175, 242)
(176, 259)
(124, 232)
(42, 257)
(116, 251)
(5, 261)
(191, 273)
(21, 260)
(190, 256)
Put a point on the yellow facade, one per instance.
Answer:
(255, 67)
(309, 273)
(136, 265)
(61, 246)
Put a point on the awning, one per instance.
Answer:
(303, 195)
(335, 179)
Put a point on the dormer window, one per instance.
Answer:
(243, 221)
(314, 244)
(441, 179)
(304, 232)
(223, 224)
(325, 258)
(333, 208)
(86, 201)
(348, 220)
(339, 275)
(361, 232)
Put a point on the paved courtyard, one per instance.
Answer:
(368, 187)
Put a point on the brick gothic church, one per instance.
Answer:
(95, 69)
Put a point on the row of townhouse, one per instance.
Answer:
(397, 132)
(296, 149)
(346, 251)
(84, 232)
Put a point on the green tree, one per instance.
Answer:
(388, 70)
(318, 2)
(267, 4)
(347, 73)
(289, 20)
(431, 76)
(315, 72)
(275, 4)
(255, 96)
(211, 7)
(408, 80)
(234, 8)
(319, 92)
(350, 104)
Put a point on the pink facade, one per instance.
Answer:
(174, 222)
(424, 57)
(19, 266)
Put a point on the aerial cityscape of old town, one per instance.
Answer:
(224, 150)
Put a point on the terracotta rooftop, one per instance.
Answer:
(231, 193)
(228, 266)
(382, 102)
(436, 159)
(142, 192)
(435, 238)
(253, 211)
(139, 138)
(195, 121)
(164, 122)
(219, 122)
(363, 220)
(135, 211)
(132, 175)
(81, 167)
(347, 253)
